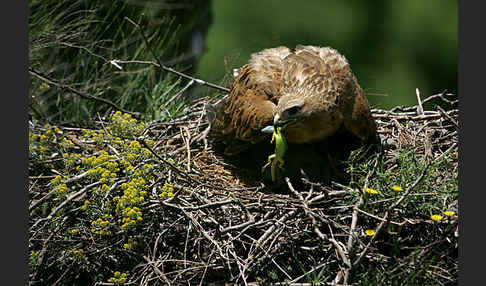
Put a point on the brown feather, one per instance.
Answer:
(317, 80)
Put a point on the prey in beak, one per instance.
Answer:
(276, 160)
(280, 122)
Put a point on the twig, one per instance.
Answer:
(189, 84)
(168, 163)
(54, 82)
(70, 198)
(157, 270)
(356, 207)
(441, 96)
(209, 205)
(306, 273)
(420, 109)
(380, 219)
(341, 249)
(448, 116)
(198, 81)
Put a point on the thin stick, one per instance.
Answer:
(54, 82)
(420, 109)
(70, 198)
(178, 94)
(198, 81)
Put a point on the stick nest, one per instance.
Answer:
(215, 227)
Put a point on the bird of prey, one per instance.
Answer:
(310, 94)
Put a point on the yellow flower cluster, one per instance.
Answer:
(117, 140)
(167, 191)
(127, 166)
(50, 133)
(119, 278)
(397, 188)
(436, 217)
(104, 188)
(33, 137)
(370, 232)
(125, 125)
(56, 181)
(51, 129)
(104, 167)
(85, 205)
(147, 167)
(103, 159)
(39, 142)
(130, 244)
(135, 145)
(371, 191)
(33, 257)
(73, 230)
(98, 136)
(66, 143)
(449, 213)
(131, 216)
(60, 190)
(135, 152)
(104, 175)
(100, 226)
(44, 86)
(71, 159)
(77, 251)
(122, 207)
(134, 193)
(143, 171)
(79, 255)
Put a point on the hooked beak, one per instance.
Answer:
(282, 123)
(276, 122)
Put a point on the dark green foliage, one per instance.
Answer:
(74, 42)
(393, 46)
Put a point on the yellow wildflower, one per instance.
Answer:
(449, 213)
(371, 191)
(436, 217)
(44, 86)
(397, 188)
(370, 232)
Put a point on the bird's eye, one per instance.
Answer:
(293, 110)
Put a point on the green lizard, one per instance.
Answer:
(276, 160)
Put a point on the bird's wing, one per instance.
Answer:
(357, 113)
(250, 105)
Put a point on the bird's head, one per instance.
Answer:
(292, 114)
(289, 113)
(303, 118)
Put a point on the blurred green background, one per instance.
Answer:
(393, 46)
